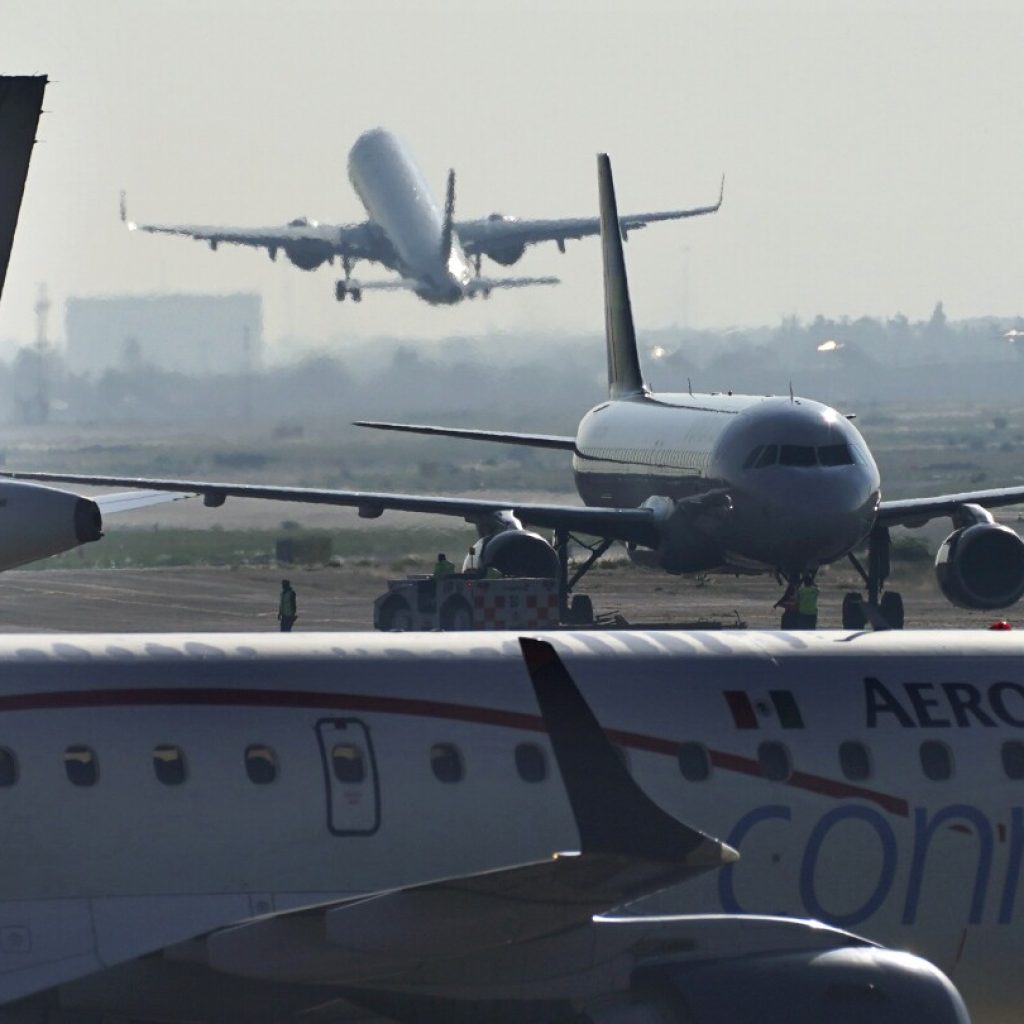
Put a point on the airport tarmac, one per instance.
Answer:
(341, 598)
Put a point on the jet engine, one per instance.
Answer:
(981, 566)
(37, 521)
(516, 553)
(505, 253)
(306, 257)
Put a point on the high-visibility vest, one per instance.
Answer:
(287, 606)
(444, 568)
(807, 599)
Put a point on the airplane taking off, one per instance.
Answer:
(696, 483)
(406, 232)
(346, 827)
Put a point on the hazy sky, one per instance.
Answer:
(873, 150)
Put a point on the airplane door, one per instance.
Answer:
(350, 777)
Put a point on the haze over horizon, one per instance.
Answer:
(867, 147)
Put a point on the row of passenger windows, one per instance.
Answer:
(935, 758)
(349, 763)
(799, 455)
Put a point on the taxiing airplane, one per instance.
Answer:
(696, 483)
(406, 232)
(439, 828)
(39, 521)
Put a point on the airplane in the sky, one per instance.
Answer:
(344, 827)
(696, 483)
(35, 521)
(435, 256)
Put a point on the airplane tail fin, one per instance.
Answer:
(447, 231)
(624, 378)
(21, 102)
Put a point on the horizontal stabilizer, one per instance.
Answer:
(482, 285)
(567, 444)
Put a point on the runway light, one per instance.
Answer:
(1002, 625)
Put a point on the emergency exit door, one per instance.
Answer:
(350, 777)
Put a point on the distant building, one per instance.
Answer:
(195, 334)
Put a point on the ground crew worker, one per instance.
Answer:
(788, 604)
(807, 604)
(442, 567)
(287, 609)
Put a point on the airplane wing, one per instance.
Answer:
(128, 501)
(21, 101)
(917, 511)
(560, 442)
(636, 525)
(510, 233)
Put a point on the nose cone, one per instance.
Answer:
(805, 487)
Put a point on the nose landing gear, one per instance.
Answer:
(881, 610)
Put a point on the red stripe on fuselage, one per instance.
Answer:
(199, 697)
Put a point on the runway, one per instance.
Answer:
(341, 598)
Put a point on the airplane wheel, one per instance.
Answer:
(581, 611)
(456, 615)
(853, 611)
(891, 607)
(340, 291)
(357, 295)
(396, 614)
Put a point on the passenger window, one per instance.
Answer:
(260, 764)
(446, 761)
(797, 455)
(694, 763)
(936, 761)
(835, 455)
(774, 761)
(81, 766)
(855, 760)
(1013, 759)
(531, 764)
(768, 456)
(752, 457)
(347, 761)
(8, 767)
(169, 765)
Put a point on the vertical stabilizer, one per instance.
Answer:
(448, 228)
(624, 377)
(21, 101)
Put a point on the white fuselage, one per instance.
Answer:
(809, 753)
(791, 513)
(398, 200)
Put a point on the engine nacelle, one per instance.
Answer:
(37, 521)
(981, 566)
(516, 553)
(506, 255)
(306, 257)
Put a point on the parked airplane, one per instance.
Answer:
(39, 521)
(697, 483)
(316, 828)
(406, 233)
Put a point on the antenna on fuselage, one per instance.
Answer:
(624, 377)
(791, 391)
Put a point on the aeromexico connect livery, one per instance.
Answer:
(698, 483)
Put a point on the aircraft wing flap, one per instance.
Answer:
(637, 525)
(917, 511)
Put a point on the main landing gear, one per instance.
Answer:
(881, 610)
(346, 287)
(580, 612)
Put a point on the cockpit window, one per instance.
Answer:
(835, 455)
(752, 457)
(768, 456)
(797, 455)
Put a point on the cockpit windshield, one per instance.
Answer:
(801, 455)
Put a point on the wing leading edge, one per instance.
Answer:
(917, 511)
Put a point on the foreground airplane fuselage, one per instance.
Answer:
(158, 788)
(802, 484)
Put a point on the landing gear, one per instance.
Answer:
(343, 288)
(883, 611)
(581, 611)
